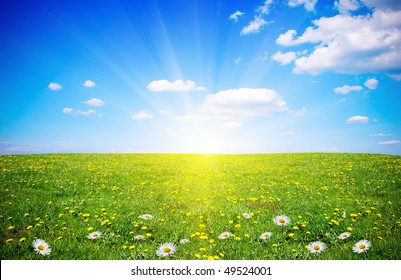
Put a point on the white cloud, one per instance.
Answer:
(254, 26)
(142, 115)
(68, 110)
(89, 83)
(287, 133)
(358, 119)
(347, 89)
(79, 112)
(381, 134)
(396, 77)
(308, 4)
(243, 102)
(235, 15)
(350, 44)
(345, 6)
(237, 60)
(95, 102)
(264, 9)
(176, 86)
(371, 83)
(284, 58)
(54, 86)
(391, 142)
(298, 113)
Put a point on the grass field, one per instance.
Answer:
(62, 198)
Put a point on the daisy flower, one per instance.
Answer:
(41, 247)
(265, 235)
(166, 249)
(94, 235)
(146, 217)
(316, 247)
(281, 220)
(184, 241)
(225, 235)
(246, 216)
(139, 237)
(344, 235)
(361, 246)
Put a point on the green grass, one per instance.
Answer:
(198, 197)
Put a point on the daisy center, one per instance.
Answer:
(41, 247)
(362, 246)
(316, 247)
(344, 235)
(281, 220)
(95, 235)
(166, 250)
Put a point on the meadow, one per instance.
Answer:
(124, 206)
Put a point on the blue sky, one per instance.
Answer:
(229, 76)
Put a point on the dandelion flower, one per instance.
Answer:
(225, 235)
(146, 217)
(41, 247)
(361, 246)
(246, 216)
(184, 241)
(94, 235)
(344, 235)
(316, 247)
(166, 249)
(281, 220)
(265, 235)
(139, 237)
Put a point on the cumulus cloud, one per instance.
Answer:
(386, 4)
(176, 86)
(308, 4)
(371, 83)
(358, 119)
(254, 26)
(391, 142)
(142, 115)
(298, 113)
(236, 15)
(89, 83)
(396, 77)
(243, 102)
(95, 102)
(264, 8)
(229, 106)
(284, 58)
(345, 6)
(54, 86)
(347, 89)
(350, 44)
(72, 111)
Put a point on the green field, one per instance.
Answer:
(61, 198)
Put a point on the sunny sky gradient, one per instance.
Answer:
(228, 76)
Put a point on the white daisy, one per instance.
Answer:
(166, 249)
(139, 237)
(41, 247)
(184, 241)
(316, 247)
(344, 235)
(361, 246)
(281, 220)
(94, 235)
(225, 235)
(146, 216)
(246, 216)
(266, 235)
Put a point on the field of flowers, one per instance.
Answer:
(188, 207)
